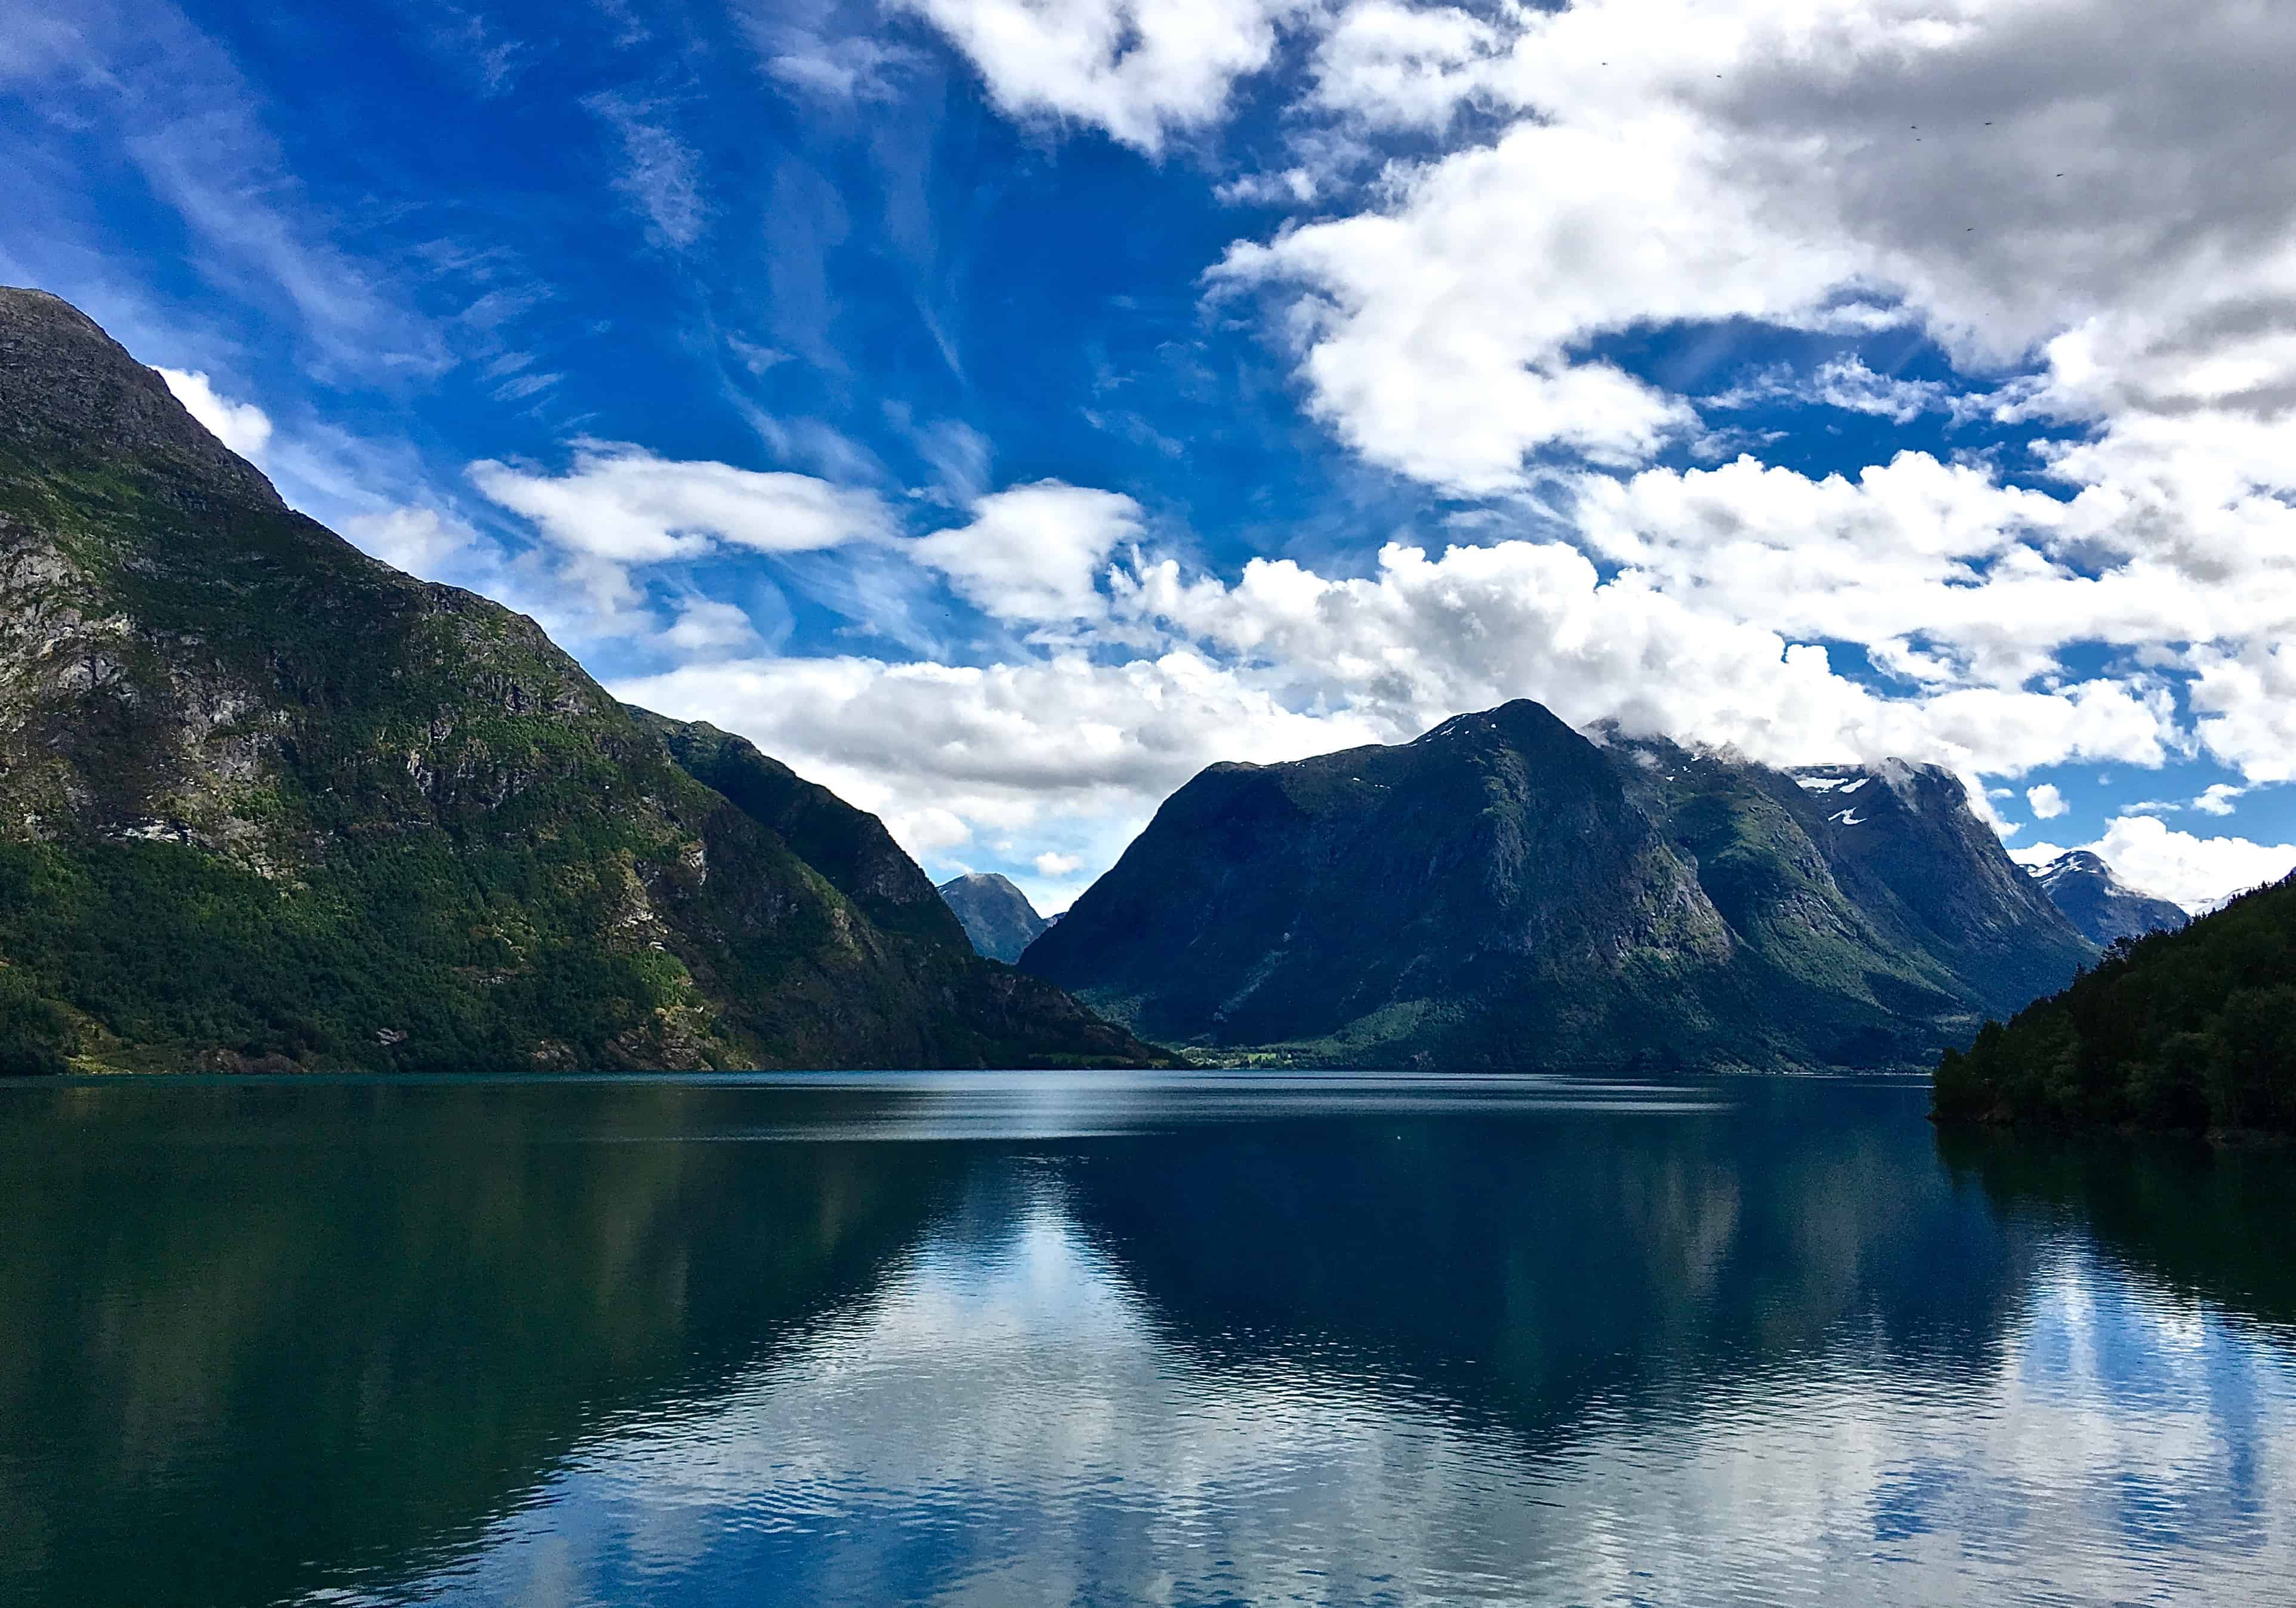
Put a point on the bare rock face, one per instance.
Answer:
(266, 801)
(1506, 891)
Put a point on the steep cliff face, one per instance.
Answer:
(265, 801)
(2100, 904)
(1506, 891)
(997, 917)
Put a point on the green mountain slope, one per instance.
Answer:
(266, 801)
(2189, 1030)
(1506, 891)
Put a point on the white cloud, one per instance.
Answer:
(2218, 800)
(1425, 637)
(1846, 383)
(418, 540)
(242, 426)
(2046, 801)
(1994, 171)
(2246, 701)
(854, 69)
(1034, 553)
(706, 630)
(1292, 186)
(2196, 872)
(1163, 673)
(1400, 65)
(944, 753)
(1139, 69)
(1056, 866)
(623, 505)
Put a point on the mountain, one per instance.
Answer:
(265, 802)
(1506, 891)
(2099, 904)
(999, 918)
(2187, 1030)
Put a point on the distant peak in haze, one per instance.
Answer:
(996, 915)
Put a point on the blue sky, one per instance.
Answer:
(1000, 410)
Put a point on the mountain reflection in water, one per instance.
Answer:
(1109, 1340)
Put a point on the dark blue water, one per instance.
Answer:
(1081, 1339)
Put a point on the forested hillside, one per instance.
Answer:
(2191, 1030)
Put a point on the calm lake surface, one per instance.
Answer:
(1000, 1339)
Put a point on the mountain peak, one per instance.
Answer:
(2095, 899)
(1506, 891)
(1517, 721)
(996, 915)
(2078, 862)
(70, 392)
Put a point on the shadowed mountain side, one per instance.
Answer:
(1506, 892)
(2100, 904)
(267, 802)
(999, 918)
(391, 1340)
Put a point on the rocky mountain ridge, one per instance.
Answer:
(1507, 892)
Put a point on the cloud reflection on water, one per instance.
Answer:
(1009, 1418)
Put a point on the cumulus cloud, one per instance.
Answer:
(1033, 553)
(2247, 706)
(624, 505)
(242, 426)
(708, 629)
(1992, 174)
(1056, 866)
(1425, 637)
(1137, 69)
(2047, 802)
(1401, 66)
(2196, 872)
(419, 540)
(945, 752)
(2218, 799)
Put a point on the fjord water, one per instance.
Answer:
(1112, 1339)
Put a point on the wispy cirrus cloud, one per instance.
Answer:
(659, 173)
